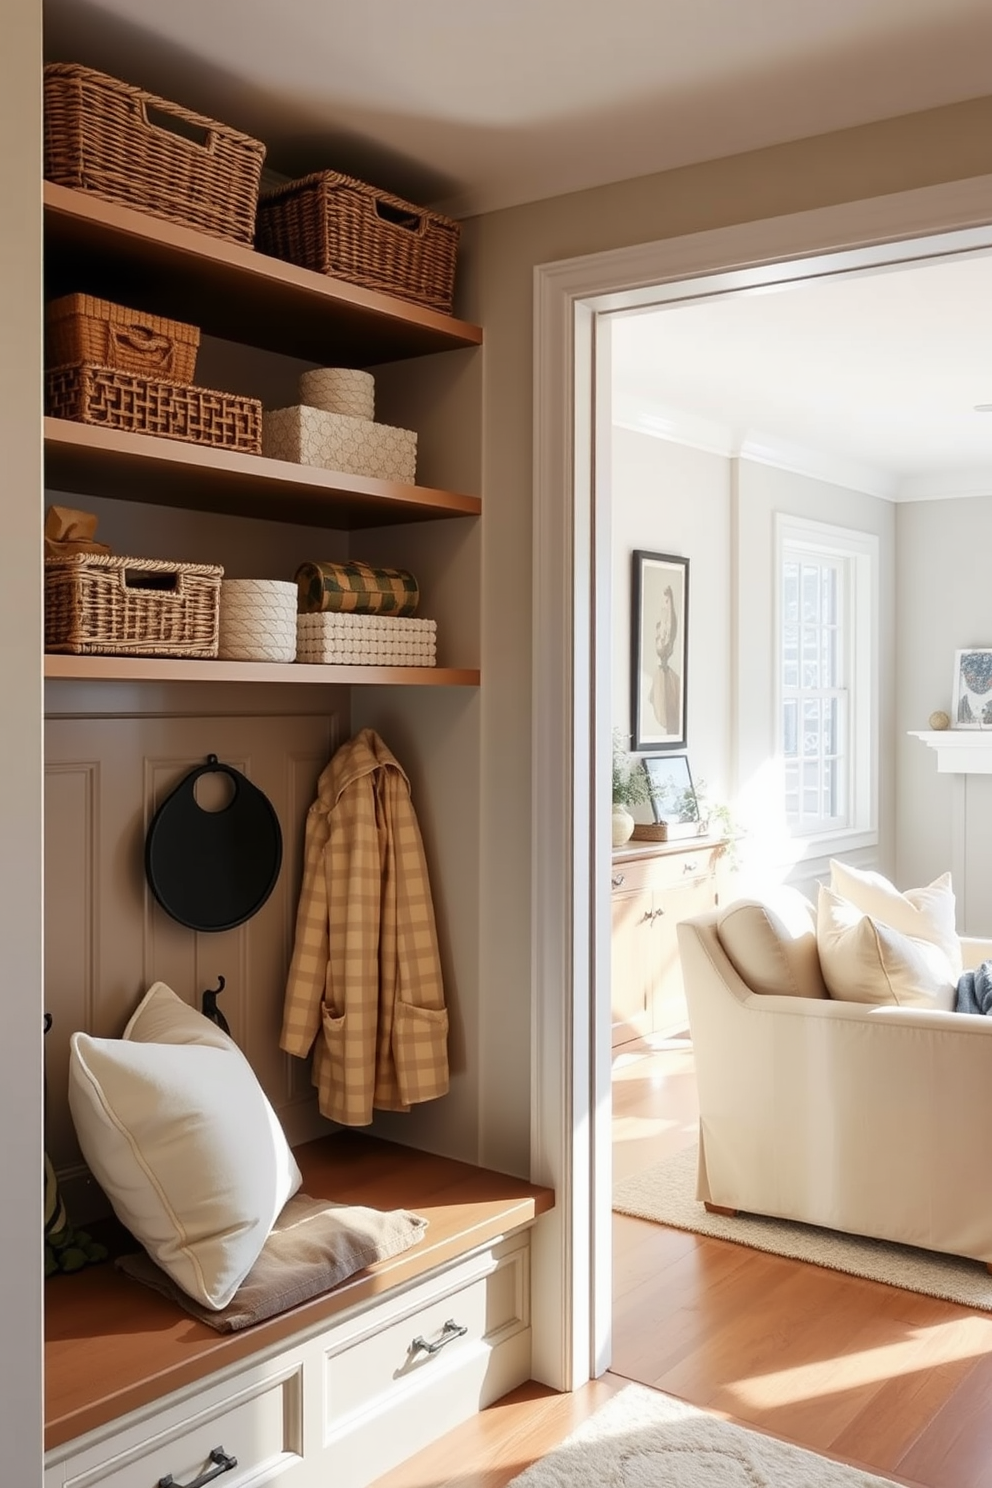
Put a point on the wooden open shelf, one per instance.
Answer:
(231, 291)
(179, 669)
(143, 467)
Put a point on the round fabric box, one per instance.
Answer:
(339, 390)
(257, 620)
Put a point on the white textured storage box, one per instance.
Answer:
(333, 441)
(339, 390)
(366, 640)
(257, 620)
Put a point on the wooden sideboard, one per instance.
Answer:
(653, 886)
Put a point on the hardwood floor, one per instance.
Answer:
(890, 1381)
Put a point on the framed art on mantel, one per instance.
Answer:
(659, 651)
(972, 696)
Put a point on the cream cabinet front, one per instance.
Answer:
(340, 1406)
(653, 888)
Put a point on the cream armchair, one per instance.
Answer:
(874, 1120)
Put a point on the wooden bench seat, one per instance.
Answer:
(113, 1345)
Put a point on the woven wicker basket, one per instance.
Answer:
(100, 605)
(145, 405)
(125, 145)
(80, 328)
(340, 226)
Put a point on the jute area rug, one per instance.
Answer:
(666, 1193)
(643, 1439)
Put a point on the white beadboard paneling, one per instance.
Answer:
(108, 937)
(71, 808)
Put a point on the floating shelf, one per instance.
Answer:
(143, 467)
(231, 291)
(180, 669)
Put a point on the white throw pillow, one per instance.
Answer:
(180, 1136)
(772, 943)
(925, 914)
(866, 960)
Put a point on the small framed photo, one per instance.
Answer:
(673, 796)
(972, 693)
(659, 650)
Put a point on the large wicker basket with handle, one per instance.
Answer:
(81, 328)
(100, 605)
(126, 145)
(344, 228)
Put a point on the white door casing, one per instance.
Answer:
(570, 1126)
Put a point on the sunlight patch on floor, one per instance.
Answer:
(955, 1341)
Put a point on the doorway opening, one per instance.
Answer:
(573, 618)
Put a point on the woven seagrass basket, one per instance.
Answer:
(81, 328)
(126, 145)
(101, 605)
(146, 405)
(342, 227)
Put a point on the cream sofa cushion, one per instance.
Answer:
(772, 944)
(866, 960)
(925, 914)
(182, 1139)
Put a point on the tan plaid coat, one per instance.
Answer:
(365, 971)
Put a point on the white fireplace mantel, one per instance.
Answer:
(959, 751)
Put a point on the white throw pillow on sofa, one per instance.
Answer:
(925, 914)
(772, 943)
(180, 1136)
(866, 960)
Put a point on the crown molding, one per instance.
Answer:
(644, 416)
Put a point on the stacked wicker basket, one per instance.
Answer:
(127, 145)
(118, 368)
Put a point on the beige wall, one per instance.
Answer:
(669, 498)
(501, 251)
(20, 747)
(942, 606)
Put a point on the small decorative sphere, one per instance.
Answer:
(939, 720)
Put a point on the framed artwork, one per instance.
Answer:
(972, 693)
(673, 795)
(659, 650)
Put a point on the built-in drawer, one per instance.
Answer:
(445, 1350)
(254, 1431)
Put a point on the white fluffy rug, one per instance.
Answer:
(643, 1439)
(666, 1193)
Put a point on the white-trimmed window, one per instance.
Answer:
(827, 643)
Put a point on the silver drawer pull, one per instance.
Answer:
(223, 1461)
(617, 880)
(690, 867)
(449, 1332)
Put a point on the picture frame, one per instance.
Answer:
(659, 650)
(673, 795)
(971, 695)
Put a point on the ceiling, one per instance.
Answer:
(869, 380)
(473, 105)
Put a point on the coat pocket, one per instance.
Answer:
(334, 1041)
(420, 1051)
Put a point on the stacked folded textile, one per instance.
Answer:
(366, 640)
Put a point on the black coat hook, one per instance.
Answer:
(209, 1005)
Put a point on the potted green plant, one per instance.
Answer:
(630, 788)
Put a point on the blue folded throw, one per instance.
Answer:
(975, 990)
